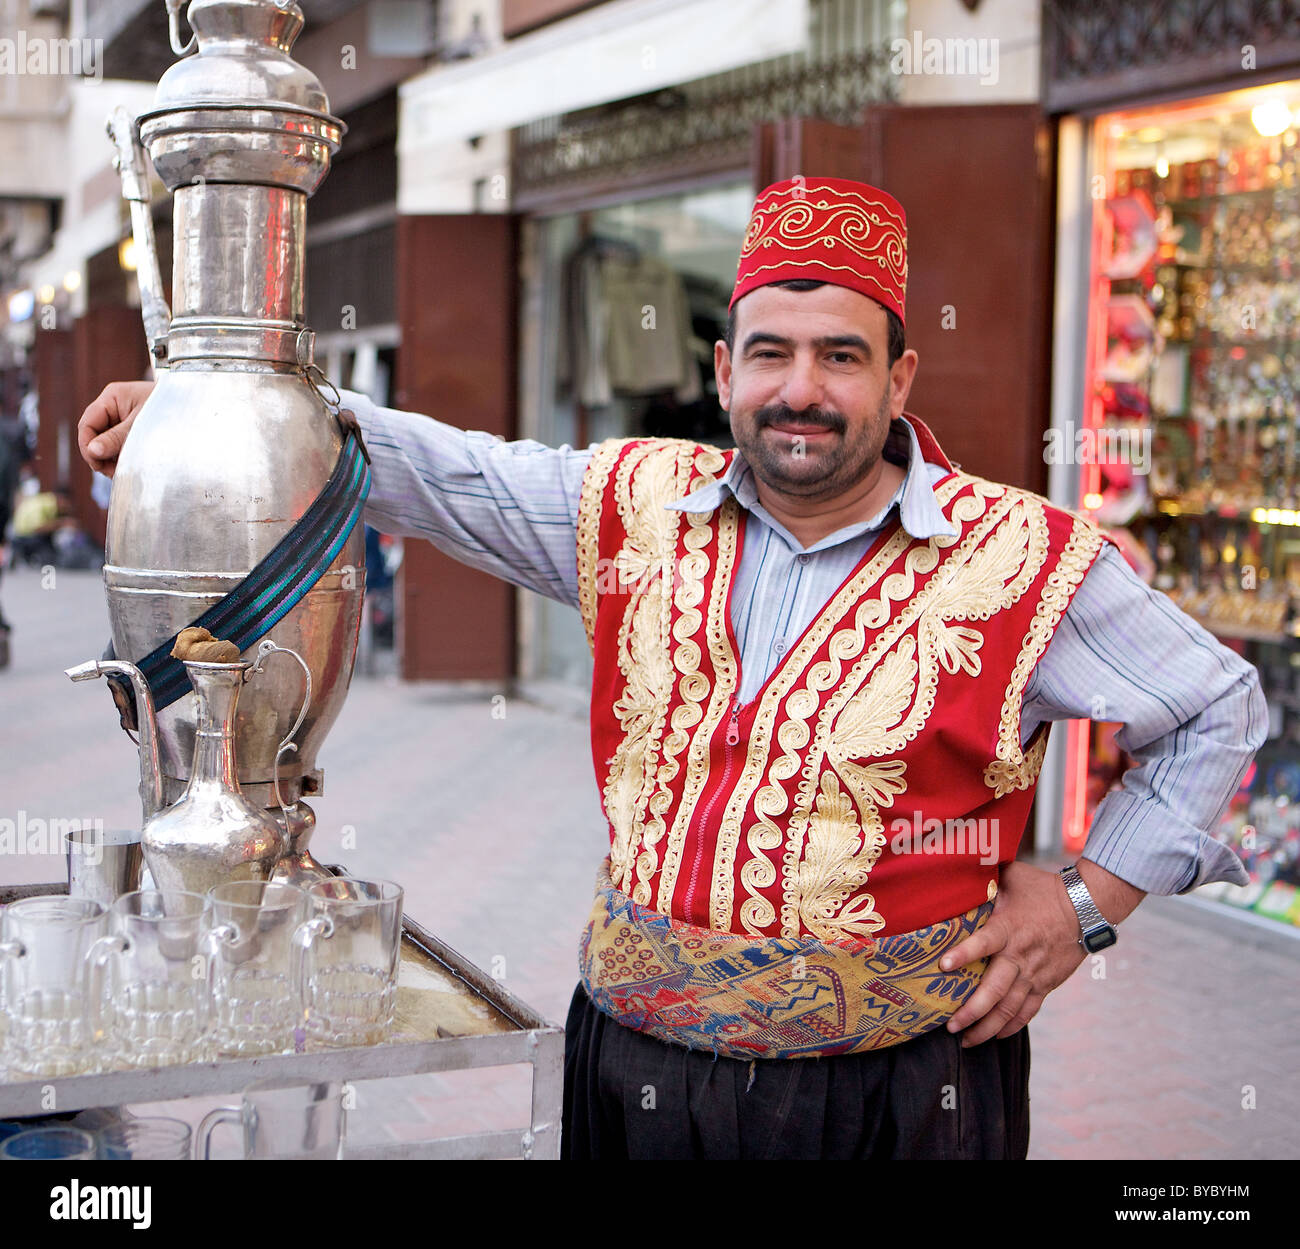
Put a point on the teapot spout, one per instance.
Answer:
(151, 780)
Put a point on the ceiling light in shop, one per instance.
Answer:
(1162, 168)
(1149, 134)
(1270, 118)
(21, 305)
(46, 294)
(1091, 502)
(126, 255)
(71, 280)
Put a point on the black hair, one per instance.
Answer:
(897, 338)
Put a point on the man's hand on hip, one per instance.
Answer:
(1032, 942)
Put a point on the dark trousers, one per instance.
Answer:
(628, 1095)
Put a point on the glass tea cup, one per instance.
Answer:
(250, 944)
(45, 989)
(158, 1007)
(346, 957)
(47, 1143)
(154, 1138)
(283, 1119)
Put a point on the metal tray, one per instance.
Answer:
(450, 1016)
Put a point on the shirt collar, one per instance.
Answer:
(919, 510)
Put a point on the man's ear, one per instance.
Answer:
(901, 376)
(722, 372)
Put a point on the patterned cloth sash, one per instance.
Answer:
(770, 997)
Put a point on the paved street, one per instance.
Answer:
(1186, 1049)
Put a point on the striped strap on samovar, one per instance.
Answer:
(276, 585)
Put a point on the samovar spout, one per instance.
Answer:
(151, 778)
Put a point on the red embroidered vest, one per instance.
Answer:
(876, 782)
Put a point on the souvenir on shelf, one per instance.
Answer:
(1196, 375)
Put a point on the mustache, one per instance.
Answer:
(784, 414)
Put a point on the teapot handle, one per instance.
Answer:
(264, 652)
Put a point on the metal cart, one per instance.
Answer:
(450, 1016)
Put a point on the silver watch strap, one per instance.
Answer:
(1084, 907)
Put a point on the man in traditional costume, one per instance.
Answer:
(825, 667)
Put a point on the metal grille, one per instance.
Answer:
(844, 69)
(1090, 40)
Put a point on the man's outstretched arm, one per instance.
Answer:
(508, 508)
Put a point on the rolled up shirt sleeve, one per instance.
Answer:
(507, 508)
(1193, 716)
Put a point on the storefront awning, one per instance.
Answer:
(620, 49)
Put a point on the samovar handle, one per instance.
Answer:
(174, 29)
(264, 652)
(129, 162)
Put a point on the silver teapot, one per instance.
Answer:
(213, 833)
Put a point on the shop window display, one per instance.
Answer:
(621, 307)
(1190, 447)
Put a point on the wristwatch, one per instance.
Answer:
(1097, 933)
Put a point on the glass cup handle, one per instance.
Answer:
(97, 956)
(304, 937)
(264, 652)
(210, 943)
(8, 950)
(209, 1124)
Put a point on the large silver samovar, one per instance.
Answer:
(237, 439)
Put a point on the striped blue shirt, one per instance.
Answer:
(1192, 711)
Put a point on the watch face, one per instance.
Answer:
(1099, 938)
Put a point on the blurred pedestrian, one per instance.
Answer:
(38, 514)
(14, 454)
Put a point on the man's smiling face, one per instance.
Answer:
(809, 388)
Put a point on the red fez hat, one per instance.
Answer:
(828, 229)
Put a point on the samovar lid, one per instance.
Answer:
(241, 109)
(242, 59)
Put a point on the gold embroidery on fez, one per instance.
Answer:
(649, 545)
(770, 802)
(1013, 769)
(590, 501)
(692, 685)
(769, 209)
(917, 607)
(809, 261)
(879, 243)
(727, 521)
(817, 186)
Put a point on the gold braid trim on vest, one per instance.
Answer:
(785, 838)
